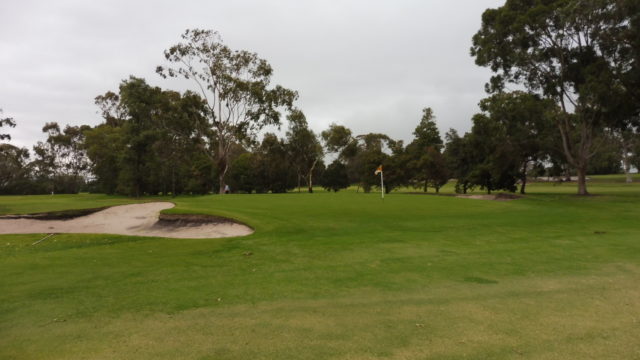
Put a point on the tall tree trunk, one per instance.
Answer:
(582, 181)
(222, 166)
(627, 164)
(425, 186)
(311, 175)
(577, 154)
(524, 178)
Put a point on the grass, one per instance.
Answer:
(337, 276)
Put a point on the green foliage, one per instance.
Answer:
(427, 133)
(608, 158)
(6, 122)
(304, 149)
(335, 177)
(461, 159)
(61, 164)
(14, 170)
(235, 87)
(577, 53)
(151, 142)
(337, 139)
(423, 155)
(272, 171)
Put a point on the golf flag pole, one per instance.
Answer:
(379, 171)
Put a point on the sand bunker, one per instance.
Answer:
(134, 219)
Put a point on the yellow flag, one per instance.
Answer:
(378, 170)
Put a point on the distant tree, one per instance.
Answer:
(235, 87)
(461, 159)
(581, 54)
(105, 147)
(628, 139)
(305, 151)
(242, 175)
(335, 177)
(494, 166)
(61, 161)
(151, 141)
(339, 140)
(424, 164)
(524, 122)
(369, 154)
(608, 155)
(6, 122)
(435, 165)
(426, 134)
(273, 172)
(14, 170)
(113, 112)
(397, 171)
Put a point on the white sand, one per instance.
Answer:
(134, 219)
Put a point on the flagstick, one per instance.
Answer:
(382, 183)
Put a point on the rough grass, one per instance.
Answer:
(337, 276)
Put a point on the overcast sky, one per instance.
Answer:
(369, 65)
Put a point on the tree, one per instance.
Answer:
(426, 134)
(105, 145)
(338, 139)
(273, 172)
(335, 177)
(305, 151)
(578, 53)
(235, 87)
(6, 122)
(609, 156)
(435, 166)
(494, 166)
(150, 142)
(61, 161)
(425, 165)
(461, 159)
(14, 170)
(526, 124)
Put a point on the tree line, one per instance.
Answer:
(577, 113)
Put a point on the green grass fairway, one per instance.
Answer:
(337, 276)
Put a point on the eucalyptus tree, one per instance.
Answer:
(6, 122)
(14, 170)
(305, 150)
(150, 141)
(61, 160)
(235, 85)
(582, 54)
(339, 140)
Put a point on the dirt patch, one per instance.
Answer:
(495, 197)
(134, 219)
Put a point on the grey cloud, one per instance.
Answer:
(370, 65)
